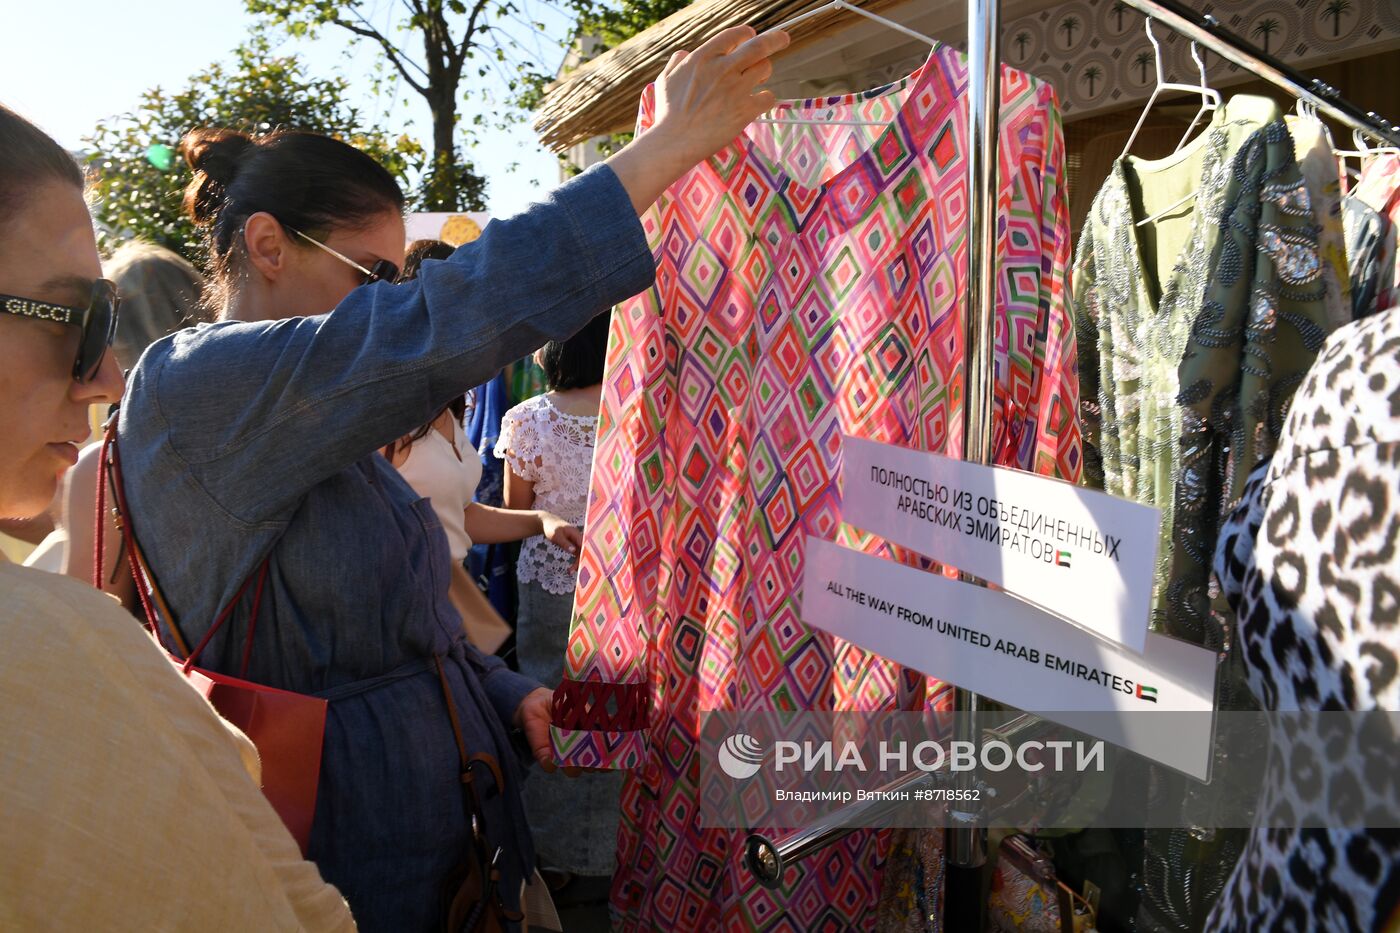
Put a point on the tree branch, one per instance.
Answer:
(468, 37)
(390, 50)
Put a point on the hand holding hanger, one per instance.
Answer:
(704, 99)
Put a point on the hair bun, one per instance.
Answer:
(215, 156)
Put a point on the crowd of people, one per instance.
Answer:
(293, 504)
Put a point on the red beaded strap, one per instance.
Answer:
(110, 471)
(596, 706)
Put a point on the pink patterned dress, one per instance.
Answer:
(810, 284)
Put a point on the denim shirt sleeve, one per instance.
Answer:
(261, 412)
(504, 687)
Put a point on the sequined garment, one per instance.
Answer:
(1313, 149)
(1130, 345)
(1379, 187)
(810, 283)
(1261, 328)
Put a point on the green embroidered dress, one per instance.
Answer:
(1265, 319)
(1137, 292)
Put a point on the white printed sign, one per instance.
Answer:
(993, 644)
(1085, 556)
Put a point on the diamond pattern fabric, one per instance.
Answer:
(810, 284)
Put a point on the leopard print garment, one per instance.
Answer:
(1310, 560)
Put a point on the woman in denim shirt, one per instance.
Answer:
(254, 438)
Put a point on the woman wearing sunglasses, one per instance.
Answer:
(116, 777)
(251, 443)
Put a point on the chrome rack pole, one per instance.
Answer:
(967, 843)
(1208, 32)
(967, 837)
(767, 857)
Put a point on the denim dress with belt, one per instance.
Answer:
(249, 441)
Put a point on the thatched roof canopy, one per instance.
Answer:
(601, 96)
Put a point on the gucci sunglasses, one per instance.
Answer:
(98, 322)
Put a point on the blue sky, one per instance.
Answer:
(68, 64)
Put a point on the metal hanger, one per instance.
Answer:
(1363, 152)
(843, 5)
(1162, 85)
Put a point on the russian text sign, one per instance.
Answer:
(1081, 554)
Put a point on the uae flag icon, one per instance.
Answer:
(1147, 693)
(1062, 558)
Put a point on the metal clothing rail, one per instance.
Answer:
(1208, 31)
(766, 858)
(967, 837)
(967, 841)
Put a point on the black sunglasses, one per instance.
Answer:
(382, 271)
(98, 322)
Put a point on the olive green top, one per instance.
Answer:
(1137, 292)
(1264, 322)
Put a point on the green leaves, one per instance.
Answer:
(137, 179)
(613, 25)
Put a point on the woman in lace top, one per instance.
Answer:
(547, 445)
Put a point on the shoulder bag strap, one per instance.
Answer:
(147, 589)
(489, 864)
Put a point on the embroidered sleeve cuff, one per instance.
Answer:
(601, 725)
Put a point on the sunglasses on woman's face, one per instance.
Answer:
(382, 271)
(98, 322)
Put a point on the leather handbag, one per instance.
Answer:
(1027, 897)
(472, 891)
(287, 728)
(485, 628)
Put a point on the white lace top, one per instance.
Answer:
(553, 450)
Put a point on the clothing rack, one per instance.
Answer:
(1208, 31)
(967, 836)
(766, 858)
(967, 841)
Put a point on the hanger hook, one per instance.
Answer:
(1200, 62)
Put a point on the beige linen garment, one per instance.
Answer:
(127, 802)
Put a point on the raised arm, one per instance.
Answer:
(261, 412)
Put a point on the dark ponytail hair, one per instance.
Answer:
(309, 182)
(29, 157)
(577, 363)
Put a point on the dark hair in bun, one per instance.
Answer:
(213, 156)
(420, 250)
(309, 182)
